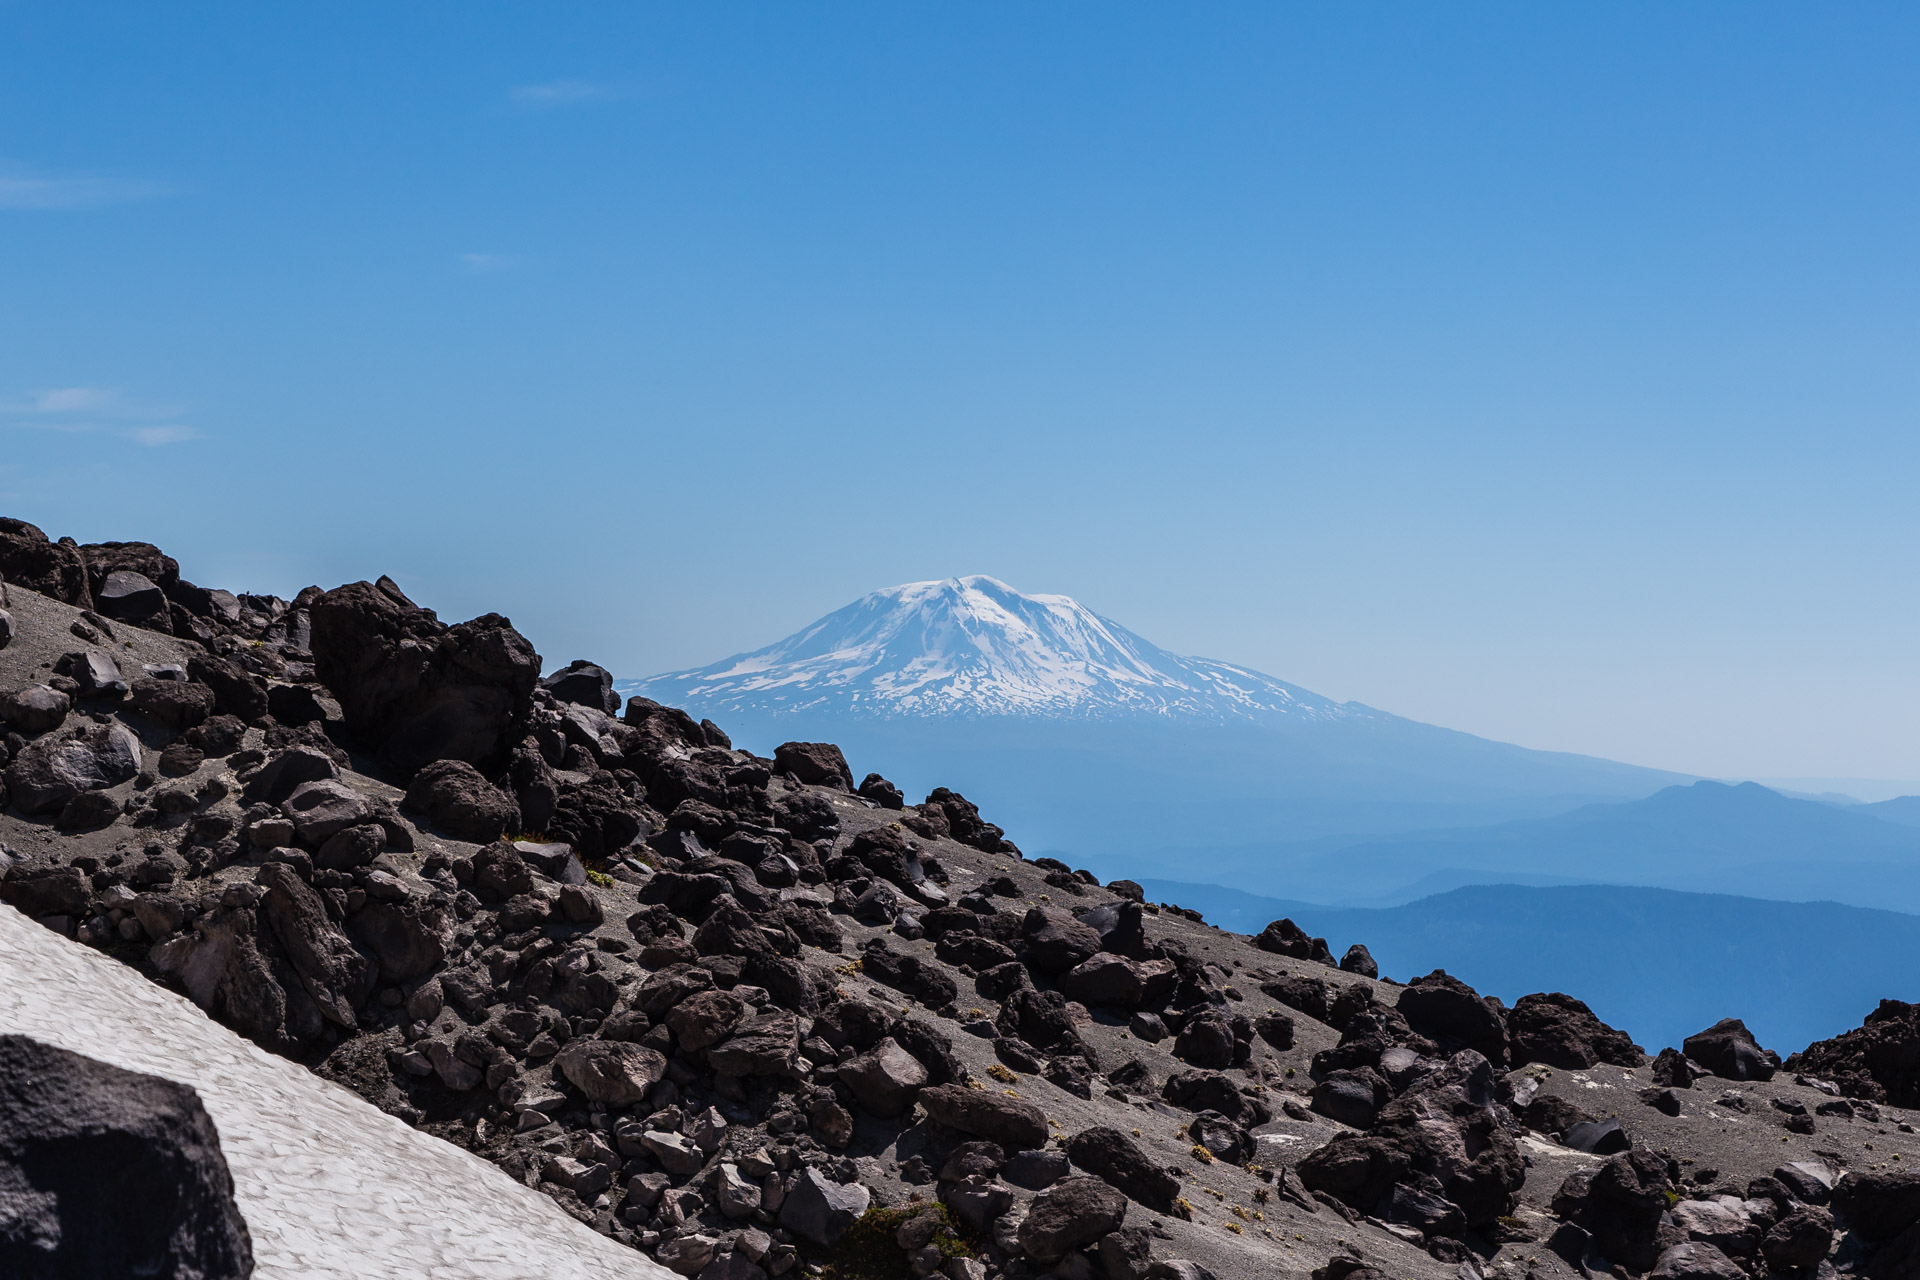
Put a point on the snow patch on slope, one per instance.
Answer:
(330, 1186)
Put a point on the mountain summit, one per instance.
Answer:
(974, 646)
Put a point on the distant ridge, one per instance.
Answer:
(1658, 963)
(1707, 838)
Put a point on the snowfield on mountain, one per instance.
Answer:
(974, 646)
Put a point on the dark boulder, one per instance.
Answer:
(126, 596)
(1447, 1128)
(1359, 960)
(820, 1209)
(818, 764)
(1729, 1051)
(809, 815)
(1211, 1091)
(29, 559)
(1621, 1205)
(584, 684)
(1285, 938)
(110, 1173)
(1275, 1028)
(1597, 1137)
(555, 860)
(1108, 979)
(763, 1044)
(616, 1073)
(1122, 929)
(103, 559)
(276, 780)
(409, 938)
(595, 818)
(330, 969)
(885, 1079)
(535, 787)
(415, 690)
(95, 672)
(321, 810)
(454, 797)
(1695, 1260)
(981, 954)
(236, 691)
(35, 710)
(1013, 1123)
(1672, 1070)
(1109, 1154)
(948, 813)
(1070, 1214)
(1551, 1114)
(883, 793)
(177, 704)
(1206, 1040)
(907, 973)
(47, 891)
(58, 766)
(1878, 1206)
(1224, 1139)
(1040, 1018)
(1056, 942)
(1800, 1240)
(1353, 1096)
(704, 1018)
(88, 811)
(1560, 1031)
(1302, 994)
(295, 705)
(1453, 1015)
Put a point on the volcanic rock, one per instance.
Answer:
(110, 1173)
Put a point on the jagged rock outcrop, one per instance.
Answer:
(414, 690)
(1878, 1060)
(1560, 1031)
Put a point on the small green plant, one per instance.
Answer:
(1001, 1074)
(600, 878)
(1201, 1154)
(870, 1251)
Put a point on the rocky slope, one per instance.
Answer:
(752, 1018)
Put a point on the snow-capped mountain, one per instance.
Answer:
(1072, 728)
(976, 647)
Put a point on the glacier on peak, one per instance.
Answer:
(974, 646)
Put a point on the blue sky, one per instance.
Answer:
(1542, 371)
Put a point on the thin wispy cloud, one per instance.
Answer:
(154, 437)
(483, 263)
(27, 189)
(561, 93)
(101, 411)
(72, 400)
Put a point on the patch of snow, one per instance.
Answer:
(330, 1186)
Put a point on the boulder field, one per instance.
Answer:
(753, 1018)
